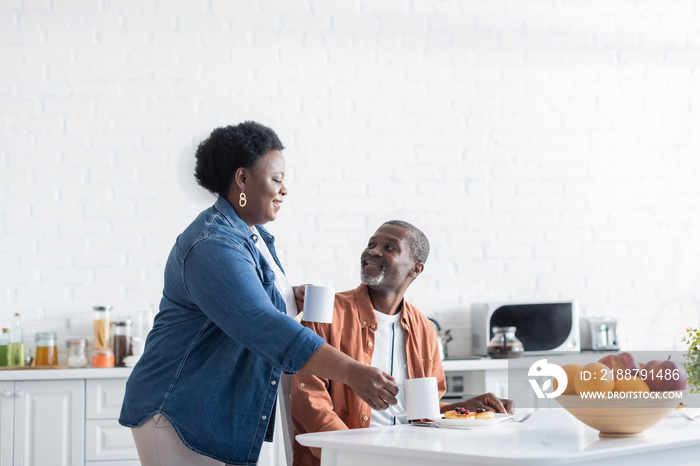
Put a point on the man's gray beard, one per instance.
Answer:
(370, 280)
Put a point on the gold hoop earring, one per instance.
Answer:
(242, 201)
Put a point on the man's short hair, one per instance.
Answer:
(418, 242)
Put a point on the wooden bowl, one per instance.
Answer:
(618, 417)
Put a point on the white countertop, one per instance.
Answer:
(449, 365)
(66, 374)
(483, 364)
(480, 364)
(549, 437)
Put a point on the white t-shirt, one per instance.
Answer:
(281, 282)
(389, 355)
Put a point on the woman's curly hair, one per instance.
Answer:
(229, 148)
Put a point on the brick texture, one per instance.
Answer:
(548, 149)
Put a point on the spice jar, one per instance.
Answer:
(77, 353)
(46, 351)
(121, 341)
(100, 324)
(102, 357)
(504, 344)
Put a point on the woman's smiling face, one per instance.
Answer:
(264, 189)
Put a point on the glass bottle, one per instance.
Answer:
(4, 342)
(46, 353)
(100, 323)
(121, 341)
(77, 353)
(15, 349)
(504, 344)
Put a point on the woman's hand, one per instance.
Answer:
(487, 401)
(373, 386)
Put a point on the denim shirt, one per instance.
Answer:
(212, 363)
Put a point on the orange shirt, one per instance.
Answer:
(320, 404)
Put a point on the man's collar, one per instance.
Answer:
(366, 309)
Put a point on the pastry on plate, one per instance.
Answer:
(481, 413)
(459, 413)
(462, 413)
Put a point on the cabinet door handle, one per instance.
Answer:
(19, 394)
(6, 394)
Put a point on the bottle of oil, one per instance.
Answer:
(15, 349)
(4, 341)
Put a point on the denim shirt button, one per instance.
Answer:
(274, 382)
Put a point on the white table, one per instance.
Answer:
(550, 437)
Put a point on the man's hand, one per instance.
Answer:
(487, 401)
(299, 292)
(374, 387)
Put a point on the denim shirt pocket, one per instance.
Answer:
(267, 276)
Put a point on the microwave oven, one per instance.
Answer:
(542, 328)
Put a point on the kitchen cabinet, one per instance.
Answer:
(507, 378)
(7, 412)
(467, 377)
(78, 415)
(42, 423)
(64, 417)
(105, 438)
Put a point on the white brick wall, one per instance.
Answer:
(548, 149)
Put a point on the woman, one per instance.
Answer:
(204, 390)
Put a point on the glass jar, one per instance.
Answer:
(102, 357)
(77, 353)
(46, 353)
(121, 341)
(504, 344)
(100, 323)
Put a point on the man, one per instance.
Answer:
(375, 325)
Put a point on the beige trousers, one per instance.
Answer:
(159, 445)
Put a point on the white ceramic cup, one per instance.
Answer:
(421, 399)
(318, 304)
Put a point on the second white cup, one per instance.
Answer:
(318, 304)
(421, 399)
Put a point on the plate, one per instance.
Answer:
(469, 423)
(688, 411)
(130, 361)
